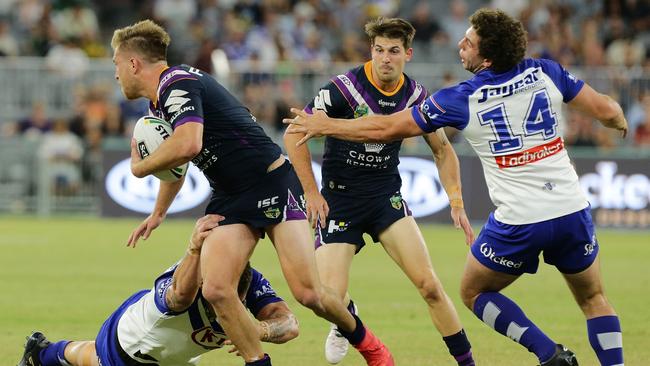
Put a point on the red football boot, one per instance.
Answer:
(375, 353)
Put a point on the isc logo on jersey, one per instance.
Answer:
(149, 133)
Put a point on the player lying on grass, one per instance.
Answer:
(170, 324)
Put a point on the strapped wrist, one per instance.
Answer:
(456, 203)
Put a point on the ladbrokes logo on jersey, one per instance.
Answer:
(531, 155)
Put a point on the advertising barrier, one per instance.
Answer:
(618, 190)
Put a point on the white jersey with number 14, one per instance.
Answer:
(513, 121)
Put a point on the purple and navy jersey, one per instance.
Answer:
(236, 151)
(362, 169)
(514, 122)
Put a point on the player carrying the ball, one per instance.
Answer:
(254, 188)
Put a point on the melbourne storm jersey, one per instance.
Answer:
(236, 152)
(362, 169)
(514, 121)
(150, 331)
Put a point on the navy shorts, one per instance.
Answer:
(275, 199)
(107, 345)
(349, 218)
(567, 242)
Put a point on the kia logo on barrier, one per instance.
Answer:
(139, 194)
(421, 186)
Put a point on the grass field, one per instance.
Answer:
(64, 276)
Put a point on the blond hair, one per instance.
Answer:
(145, 37)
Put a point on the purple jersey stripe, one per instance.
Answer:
(187, 119)
(367, 98)
(346, 93)
(171, 77)
(411, 88)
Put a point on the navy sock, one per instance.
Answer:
(53, 355)
(460, 348)
(356, 336)
(504, 316)
(266, 361)
(606, 339)
(352, 308)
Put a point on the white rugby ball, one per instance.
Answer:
(149, 133)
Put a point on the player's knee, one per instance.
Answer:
(594, 303)
(431, 290)
(308, 297)
(468, 296)
(217, 294)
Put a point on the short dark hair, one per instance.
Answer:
(145, 37)
(392, 28)
(245, 280)
(503, 39)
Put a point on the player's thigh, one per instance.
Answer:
(334, 261)
(294, 244)
(478, 278)
(225, 253)
(405, 244)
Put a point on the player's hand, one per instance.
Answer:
(308, 124)
(461, 221)
(317, 209)
(135, 158)
(232, 349)
(144, 229)
(203, 228)
(622, 127)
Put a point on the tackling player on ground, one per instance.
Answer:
(361, 184)
(512, 114)
(254, 188)
(171, 324)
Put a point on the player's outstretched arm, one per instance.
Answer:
(277, 323)
(317, 208)
(183, 145)
(187, 276)
(602, 107)
(166, 194)
(373, 128)
(449, 171)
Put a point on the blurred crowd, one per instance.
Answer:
(265, 41)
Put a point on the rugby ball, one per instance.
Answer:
(149, 133)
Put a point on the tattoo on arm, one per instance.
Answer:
(275, 330)
(170, 296)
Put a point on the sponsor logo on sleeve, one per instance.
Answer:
(431, 109)
(322, 100)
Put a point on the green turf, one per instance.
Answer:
(64, 276)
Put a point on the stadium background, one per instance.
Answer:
(64, 125)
